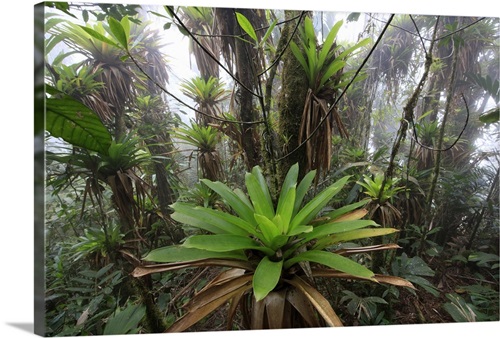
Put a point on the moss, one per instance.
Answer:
(291, 103)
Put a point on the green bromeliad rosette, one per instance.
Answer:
(273, 252)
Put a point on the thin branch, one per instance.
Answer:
(343, 92)
(419, 35)
(437, 38)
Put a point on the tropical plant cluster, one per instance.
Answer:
(302, 178)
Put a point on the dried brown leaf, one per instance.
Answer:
(319, 302)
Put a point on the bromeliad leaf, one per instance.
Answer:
(337, 227)
(259, 195)
(333, 261)
(211, 220)
(351, 235)
(268, 228)
(225, 243)
(233, 200)
(178, 253)
(311, 209)
(266, 277)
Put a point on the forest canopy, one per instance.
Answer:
(236, 168)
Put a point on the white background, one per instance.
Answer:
(16, 163)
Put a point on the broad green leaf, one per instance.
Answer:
(332, 228)
(233, 200)
(224, 243)
(246, 25)
(490, 116)
(327, 45)
(118, 32)
(312, 61)
(352, 235)
(301, 229)
(268, 228)
(311, 209)
(309, 29)
(285, 208)
(125, 22)
(460, 310)
(99, 36)
(53, 22)
(85, 15)
(215, 221)
(334, 67)
(257, 172)
(126, 321)
(348, 51)
(290, 180)
(75, 123)
(298, 55)
(302, 190)
(243, 197)
(345, 209)
(279, 241)
(333, 261)
(266, 277)
(176, 253)
(258, 196)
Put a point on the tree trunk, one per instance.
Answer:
(291, 103)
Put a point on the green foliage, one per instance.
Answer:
(484, 300)
(98, 243)
(125, 321)
(205, 139)
(205, 92)
(200, 194)
(321, 65)
(78, 299)
(269, 240)
(415, 270)
(373, 187)
(418, 240)
(364, 308)
(76, 80)
(75, 123)
(459, 309)
(485, 260)
(247, 26)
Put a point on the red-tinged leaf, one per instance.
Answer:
(392, 280)
(156, 268)
(177, 253)
(352, 216)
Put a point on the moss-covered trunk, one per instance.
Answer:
(291, 103)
